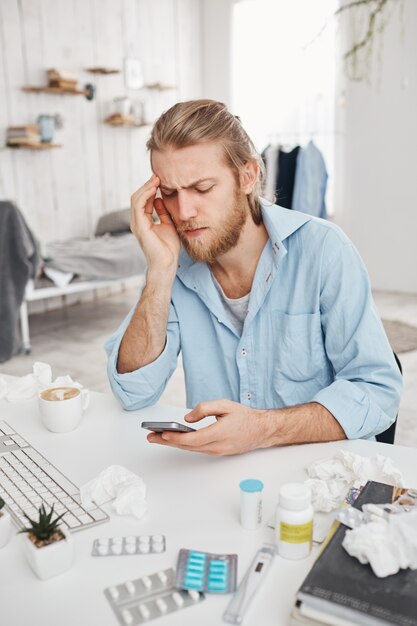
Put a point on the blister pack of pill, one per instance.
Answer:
(146, 598)
(203, 571)
(350, 517)
(119, 546)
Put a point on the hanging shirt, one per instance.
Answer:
(287, 163)
(311, 333)
(310, 182)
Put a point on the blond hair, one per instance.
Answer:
(200, 121)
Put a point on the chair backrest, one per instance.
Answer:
(388, 435)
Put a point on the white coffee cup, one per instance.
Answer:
(62, 408)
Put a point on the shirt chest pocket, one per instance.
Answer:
(298, 352)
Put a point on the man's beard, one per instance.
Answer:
(228, 233)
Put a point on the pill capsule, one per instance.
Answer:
(147, 583)
(162, 605)
(130, 587)
(178, 599)
(194, 595)
(114, 592)
(162, 577)
(144, 611)
(127, 616)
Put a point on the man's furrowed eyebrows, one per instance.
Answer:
(193, 184)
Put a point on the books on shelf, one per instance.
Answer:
(28, 134)
(340, 591)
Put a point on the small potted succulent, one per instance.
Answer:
(48, 547)
(5, 524)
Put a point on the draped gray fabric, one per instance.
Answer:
(18, 262)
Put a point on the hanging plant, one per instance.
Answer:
(369, 21)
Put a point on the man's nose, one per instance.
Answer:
(186, 206)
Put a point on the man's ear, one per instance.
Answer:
(248, 176)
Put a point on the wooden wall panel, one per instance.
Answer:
(62, 192)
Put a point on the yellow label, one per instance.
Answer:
(296, 533)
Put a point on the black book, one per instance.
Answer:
(339, 590)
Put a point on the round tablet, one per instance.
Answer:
(144, 548)
(158, 547)
(116, 549)
(157, 538)
(131, 539)
(103, 541)
(117, 541)
(130, 548)
(102, 550)
(144, 539)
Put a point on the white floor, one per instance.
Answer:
(71, 340)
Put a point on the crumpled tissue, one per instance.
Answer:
(29, 386)
(116, 482)
(388, 545)
(330, 478)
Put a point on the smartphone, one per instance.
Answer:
(160, 427)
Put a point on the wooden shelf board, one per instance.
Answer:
(35, 146)
(57, 90)
(160, 86)
(102, 70)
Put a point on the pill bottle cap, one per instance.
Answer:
(294, 496)
(251, 485)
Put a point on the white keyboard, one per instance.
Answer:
(28, 480)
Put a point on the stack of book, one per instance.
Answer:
(340, 591)
(62, 79)
(23, 135)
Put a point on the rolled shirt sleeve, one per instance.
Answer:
(143, 387)
(365, 394)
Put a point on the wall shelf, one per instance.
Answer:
(160, 86)
(34, 146)
(124, 121)
(88, 90)
(102, 70)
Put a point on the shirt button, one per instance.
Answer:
(243, 352)
(249, 395)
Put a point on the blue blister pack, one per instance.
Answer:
(206, 572)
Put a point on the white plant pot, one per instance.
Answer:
(50, 560)
(5, 527)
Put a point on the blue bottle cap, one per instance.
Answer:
(251, 485)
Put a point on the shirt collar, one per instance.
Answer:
(279, 222)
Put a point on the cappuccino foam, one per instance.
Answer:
(55, 394)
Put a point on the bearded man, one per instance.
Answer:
(271, 308)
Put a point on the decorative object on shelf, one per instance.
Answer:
(160, 86)
(48, 547)
(122, 105)
(102, 70)
(133, 73)
(62, 82)
(118, 119)
(5, 524)
(23, 135)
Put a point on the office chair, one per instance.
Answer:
(388, 435)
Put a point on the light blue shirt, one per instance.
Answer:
(311, 334)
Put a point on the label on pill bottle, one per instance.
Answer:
(296, 533)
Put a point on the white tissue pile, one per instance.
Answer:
(330, 478)
(29, 386)
(387, 545)
(116, 482)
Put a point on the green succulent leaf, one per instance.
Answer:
(45, 526)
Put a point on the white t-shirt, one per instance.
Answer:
(236, 308)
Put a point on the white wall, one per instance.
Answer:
(376, 168)
(63, 191)
(217, 29)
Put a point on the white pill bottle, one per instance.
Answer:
(294, 521)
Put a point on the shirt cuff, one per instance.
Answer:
(144, 386)
(358, 415)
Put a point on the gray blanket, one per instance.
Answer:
(99, 257)
(18, 262)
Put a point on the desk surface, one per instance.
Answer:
(193, 499)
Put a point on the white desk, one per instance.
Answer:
(193, 499)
